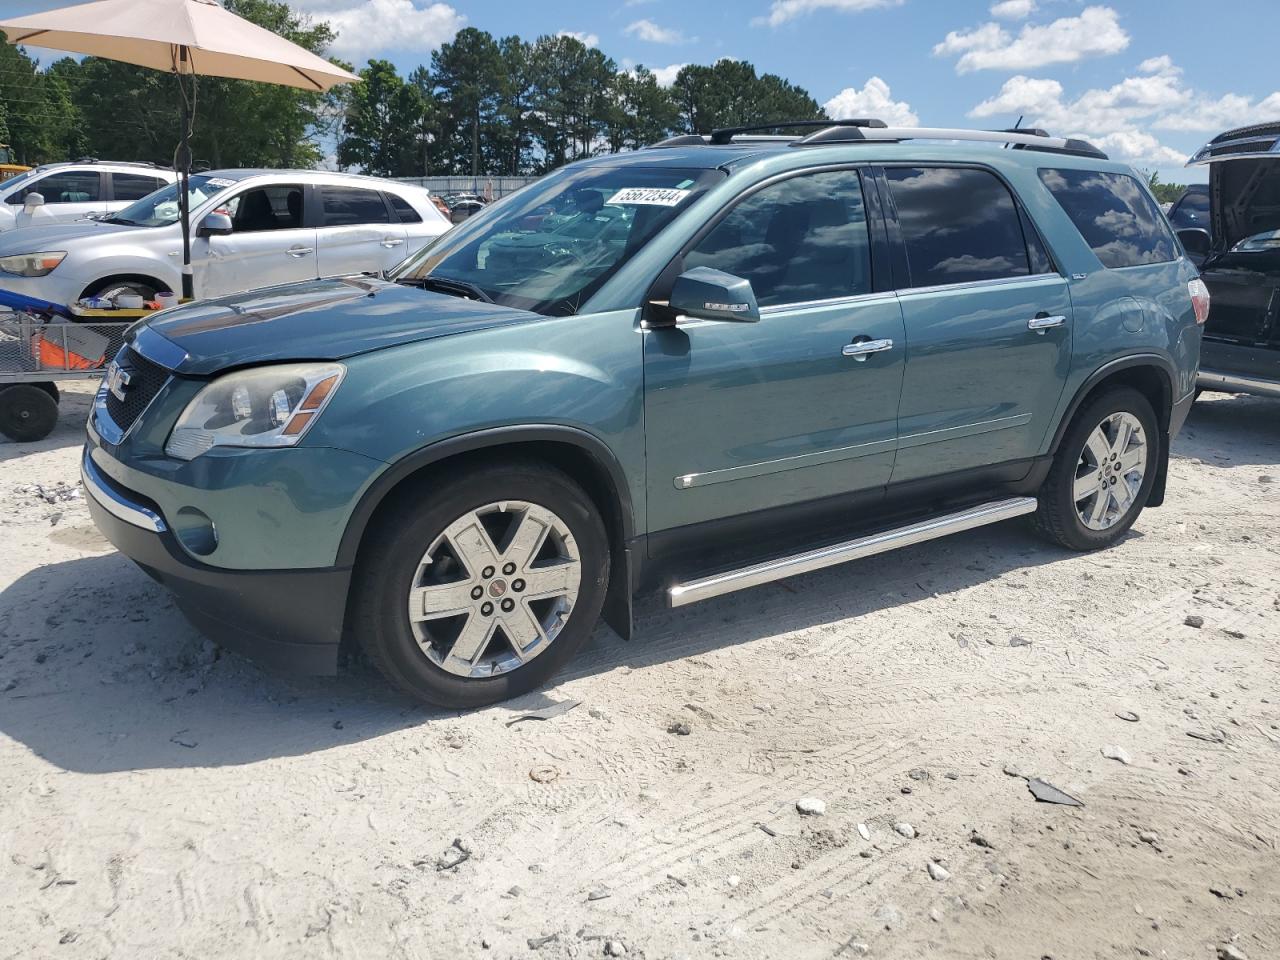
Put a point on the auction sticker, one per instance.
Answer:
(652, 196)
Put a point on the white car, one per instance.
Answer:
(250, 228)
(74, 191)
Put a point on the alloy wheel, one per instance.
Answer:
(1110, 471)
(494, 589)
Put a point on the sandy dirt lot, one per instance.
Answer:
(159, 799)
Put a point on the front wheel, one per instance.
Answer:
(1102, 475)
(478, 588)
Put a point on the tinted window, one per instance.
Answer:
(403, 210)
(64, 187)
(347, 205)
(1192, 210)
(267, 208)
(958, 225)
(131, 186)
(800, 239)
(1114, 214)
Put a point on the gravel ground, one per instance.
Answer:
(161, 799)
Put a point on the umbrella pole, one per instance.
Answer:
(184, 177)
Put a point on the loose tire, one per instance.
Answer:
(1102, 475)
(477, 587)
(27, 412)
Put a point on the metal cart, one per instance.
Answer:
(37, 348)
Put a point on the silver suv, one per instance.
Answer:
(249, 228)
(63, 192)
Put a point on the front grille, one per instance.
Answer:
(145, 380)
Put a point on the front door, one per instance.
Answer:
(802, 406)
(988, 324)
(269, 243)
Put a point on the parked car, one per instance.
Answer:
(1239, 259)
(251, 228)
(1191, 210)
(65, 192)
(806, 351)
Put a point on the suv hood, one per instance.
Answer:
(317, 320)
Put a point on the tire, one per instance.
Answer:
(1099, 520)
(445, 658)
(27, 412)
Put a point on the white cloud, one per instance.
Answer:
(368, 28)
(1013, 9)
(783, 10)
(586, 39)
(653, 33)
(1096, 32)
(873, 100)
(1120, 118)
(666, 76)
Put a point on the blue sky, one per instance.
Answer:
(1148, 80)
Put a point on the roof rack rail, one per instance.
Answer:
(726, 134)
(1017, 139)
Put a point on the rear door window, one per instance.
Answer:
(344, 206)
(1115, 215)
(801, 239)
(959, 225)
(133, 186)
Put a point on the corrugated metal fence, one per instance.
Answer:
(484, 186)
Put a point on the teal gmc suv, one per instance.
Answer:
(693, 368)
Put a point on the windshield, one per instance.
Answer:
(553, 244)
(160, 209)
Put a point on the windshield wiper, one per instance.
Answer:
(120, 220)
(457, 288)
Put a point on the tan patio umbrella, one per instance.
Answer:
(188, 38)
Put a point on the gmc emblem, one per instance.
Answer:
(118, 380)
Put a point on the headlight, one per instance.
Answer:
(264, 407)
(32, 264)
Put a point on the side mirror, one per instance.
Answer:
(1196, 241)
(215, 225)
(32, 200)
(707, 294)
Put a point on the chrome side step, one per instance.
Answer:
(756, 574)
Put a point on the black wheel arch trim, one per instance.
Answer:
(1163, 415)
(617, 611)
(1163, 364)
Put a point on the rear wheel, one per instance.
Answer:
(478, 589)
(27, 412)
(1102, 475)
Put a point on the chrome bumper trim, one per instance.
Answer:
(1232, 383)
(770, 570)
(95, 485)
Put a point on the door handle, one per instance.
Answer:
(861, 349)
(390, 242)
(1042, 322)
(299, 251)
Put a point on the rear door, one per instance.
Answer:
(271, 242)
(988, 322)
(68, 194)
(124, 188)
(358, 232)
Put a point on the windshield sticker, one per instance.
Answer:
(648, 196)
(220, 182)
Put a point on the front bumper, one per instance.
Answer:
(1237, 383)
(287, 620)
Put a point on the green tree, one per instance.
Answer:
(467, 76)
(730, 94)
(1164, 192)
(643, 112)
(382, 125)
